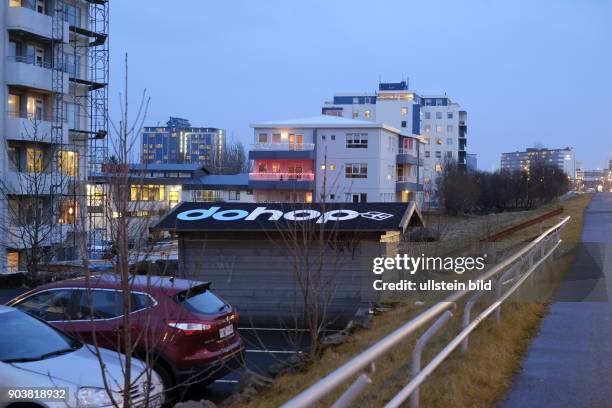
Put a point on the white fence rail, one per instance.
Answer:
(514, 270)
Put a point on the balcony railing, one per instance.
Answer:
(282, 176)
(29, 59)
(406, 179)
(403, 150)
(283, 146)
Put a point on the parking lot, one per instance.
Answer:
(264, 346)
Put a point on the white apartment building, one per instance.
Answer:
(564, 159)
(53, 76)
(334, 159)
(439, 120)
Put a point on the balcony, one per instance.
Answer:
(23, 71)
(22, 237)
(21, 127)
(408, 156)
(281, 181)
(407, 183)
(282, 151)
(40, 25)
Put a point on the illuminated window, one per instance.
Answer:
(438, 168)
(263, 138)
(332, 167)
(68, 212)
(276, 167)
(13, 105)
(173, 198)
(438, 129)
(322, 167)
(34, 160)
(438, 141)
(427, 128)
(148, 192)
(308, 197)
(367, 114)
(276, 137)
(69, 163)
(12, 261)
(404, 111)
(262, 168)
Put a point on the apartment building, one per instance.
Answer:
(439, 120)
(179, 142)
(563, 159)
(334, 159)
(53, 108)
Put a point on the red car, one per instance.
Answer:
(189, 334)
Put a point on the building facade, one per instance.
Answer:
(563, 159)
(179, 142)
(334, 159)
(439, 120)
(53, 119)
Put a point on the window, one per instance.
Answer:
(438, 129)
(427, 115)
(438, 141)
(199, 301)
(449, 155)
(13, 105)
(356, 170)
(149, 192)
(322, 137)
(438, 154)
(403, 123)
(356, 197)
(438, 115)
(69, 163)
(72, 15)
(367, 114)
(333, 137)
(105, 304)
(427, 154)
(332, 196)
(262, 168)
(427, 128)
(438, 168)
(276, 167)
(449, 128)
(13, 158)
(173, 198)
(332, 167)
(355, 113)
(404, 111)
(449, 141)
(263, 138)
(34, 160)
(34, 106)
(51, 305)
(67, 212)
(276, 138)
(357, 140)
(449, 115)
(234, 195)
(14, 3)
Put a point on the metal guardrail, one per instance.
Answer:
(514, 270)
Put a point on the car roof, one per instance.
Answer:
(168, 284)
(5, 309)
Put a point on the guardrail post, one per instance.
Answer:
(466, 317)
(418, 351)
(353, 391)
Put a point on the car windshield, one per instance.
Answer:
(24, 338)
(202, 302)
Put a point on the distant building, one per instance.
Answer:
(334, 159)
(439, 120)
(179, 142)
(564, 159)
(471, 160)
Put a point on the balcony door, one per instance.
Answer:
(296, 142)
(35, 107)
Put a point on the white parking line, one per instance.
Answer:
(272, 351)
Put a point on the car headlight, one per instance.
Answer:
(92, 397)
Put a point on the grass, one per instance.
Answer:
(479, 378)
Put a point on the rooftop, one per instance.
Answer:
(323, 121)
(168, 167)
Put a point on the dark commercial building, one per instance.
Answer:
(179, 142)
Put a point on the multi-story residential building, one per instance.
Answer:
(53, 122)
(179, 142)
(437, 118)
(563, 159)
(334, 159)
(471, 161)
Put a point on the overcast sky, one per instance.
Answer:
(527, 72)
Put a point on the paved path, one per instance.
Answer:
(569, 363)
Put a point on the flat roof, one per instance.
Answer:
(278, 217)
(324, 121)
(167, 167)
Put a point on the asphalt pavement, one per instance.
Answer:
(569, 363)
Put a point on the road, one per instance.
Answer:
(569, 363)
(264, 346)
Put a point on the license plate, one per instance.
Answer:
(226, 331)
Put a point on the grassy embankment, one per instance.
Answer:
(479, 378)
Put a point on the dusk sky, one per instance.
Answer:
(527, 72)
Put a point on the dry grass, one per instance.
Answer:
(479, 378)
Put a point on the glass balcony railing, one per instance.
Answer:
(283, 146)
(30, 59)
(281, 176)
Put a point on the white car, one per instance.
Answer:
(40, 366)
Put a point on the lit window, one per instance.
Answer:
(276, 138)
(367, 114)
(438, 168)
(404, 111)
(322, 167)
(34, 160)
(438, 129)
(427, 128)
(438, 141)
(332, 167)
(69, 163)
(263, 138)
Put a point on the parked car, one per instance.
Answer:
(187, 332)
(62, 371)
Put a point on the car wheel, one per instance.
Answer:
(167, 379)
